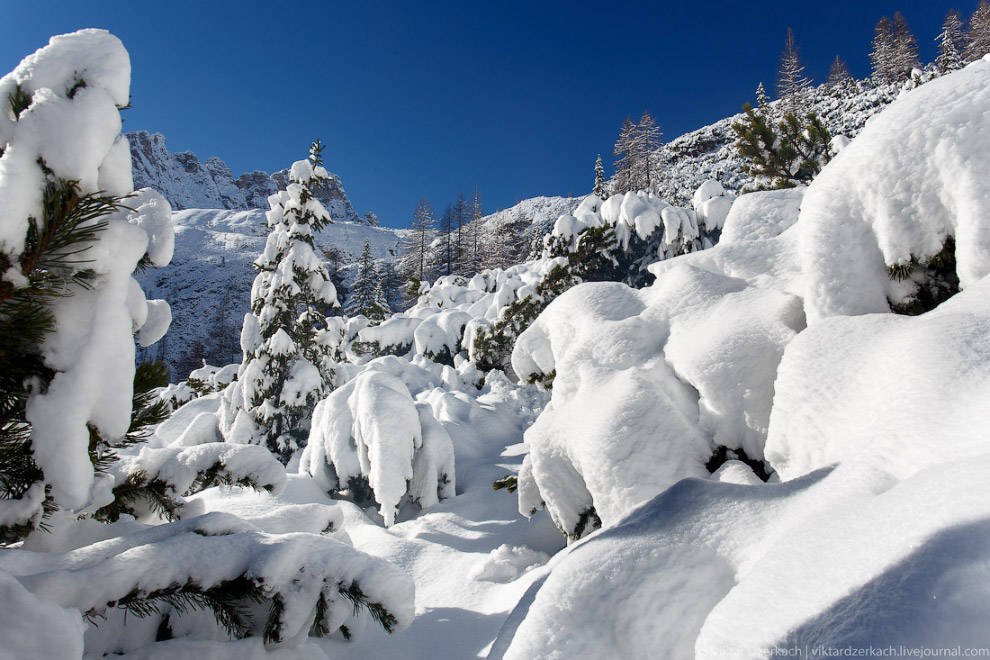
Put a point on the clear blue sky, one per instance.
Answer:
(434, 98)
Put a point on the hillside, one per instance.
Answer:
(709, 152)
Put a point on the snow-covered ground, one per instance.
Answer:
(751, 456)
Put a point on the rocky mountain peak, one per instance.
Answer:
(189, 183)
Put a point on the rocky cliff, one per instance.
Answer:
(189, 183)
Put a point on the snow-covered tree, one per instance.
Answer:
(978, 33)
(289, 343)
(762, 100)
(371, 439)
(599, 188)
(71, 235)
(367, 296)
(791, 81)
(951, 43)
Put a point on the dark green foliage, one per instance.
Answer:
(722, 455)
(935, 278)
(154, 494)
(76, 86)
(543, 381)
(19, 101)
(53, 263)
(784, 156)
(509, 483)
(588, 517)
(227, 601)
(378, 612)
(493, 346)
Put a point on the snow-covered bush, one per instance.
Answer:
(289, 343)
(371, 434)
(657, 384)
(880, 224)
(208, 575)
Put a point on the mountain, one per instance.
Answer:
(188, 183)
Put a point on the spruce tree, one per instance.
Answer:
(599, 189)
(762, 100)
(474, 245)
(367, 296)
(791, 81)
(448, 241)
(461, 218)
(978, 34)
(951, 43)
(289, 343)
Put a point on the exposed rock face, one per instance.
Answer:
(188, 183)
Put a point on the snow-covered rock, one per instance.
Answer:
(188, 183)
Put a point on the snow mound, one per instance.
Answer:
(506, 563)
(647, 383)
(915, 176)
(889, 393)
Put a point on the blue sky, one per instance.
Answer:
(434, 98)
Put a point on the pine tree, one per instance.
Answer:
(951, 43)
(367, 296)
(289, 343)
(905, 49)
(599, 189)
(838, 74)
(625, 152)
(791, 81)
(784, 156)
(882, 55)
(978, 34)
(392, 284)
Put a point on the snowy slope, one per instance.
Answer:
(709, 152)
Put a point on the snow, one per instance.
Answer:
(873, 529)
(879, 204)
